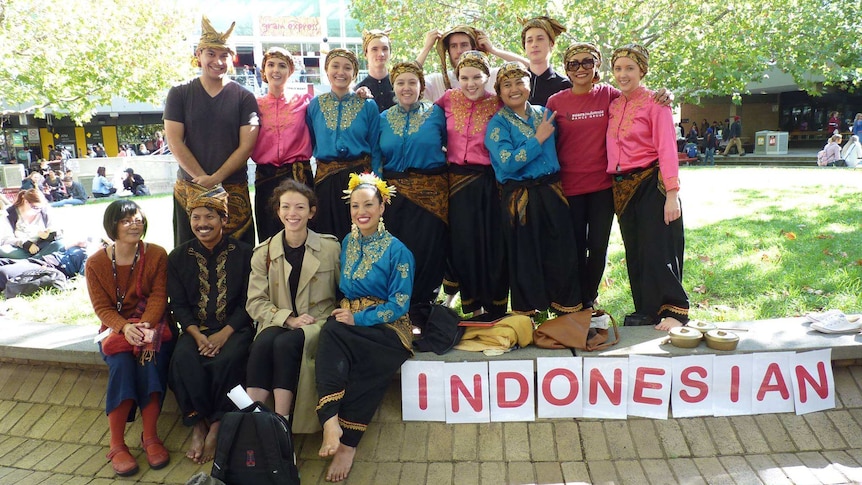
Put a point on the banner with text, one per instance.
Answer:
(615, 388)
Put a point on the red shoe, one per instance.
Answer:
(157, 455)
(122, 461)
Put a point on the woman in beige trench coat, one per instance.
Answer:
(290, 306)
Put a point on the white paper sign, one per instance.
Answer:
(422, 392)
(693, 391)
(772, 383)
(813, 381)
(512, 395)
(649, 386)
(560, 387)
(466, 392)
(731, 384)
(605, 387)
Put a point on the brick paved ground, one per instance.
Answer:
(53, 430)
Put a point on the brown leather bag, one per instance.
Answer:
(572, 331)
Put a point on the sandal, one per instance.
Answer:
(122, 461)
(157, 455)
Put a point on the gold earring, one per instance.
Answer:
(380, 226)
(354, 231)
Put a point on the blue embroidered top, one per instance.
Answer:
(343, 129)
(515, 152)
(378, 266)
(412, 139)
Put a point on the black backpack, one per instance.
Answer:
(255, 447)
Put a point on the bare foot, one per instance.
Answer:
(210, 443)
(341, 464)
(331, 438)
(668, 323)
(199, 434)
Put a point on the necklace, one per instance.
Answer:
(122, 296)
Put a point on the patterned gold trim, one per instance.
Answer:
(373, 248)
(674, 309)
(398, 118)
(566, 309)
(336, 396)
(339, 114)
(478, 113)
(352, 425)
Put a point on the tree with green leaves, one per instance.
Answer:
(68, 57)
(696, 49)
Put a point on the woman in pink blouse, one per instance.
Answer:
(477, 259)
(643, 161)
(283, 148)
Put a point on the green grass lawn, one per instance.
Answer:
(760, 243)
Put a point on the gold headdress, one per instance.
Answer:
(443, 47)
(369, 35)
(411, 67)
(357, 179)
(549, 25)
(510, 70)
(475, 59)
(349, 55)
(211, 38)
(635, 52)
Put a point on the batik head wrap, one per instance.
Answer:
(635, 52)
(369, 35)
(215, 198)
(213, 39)
(510, 70)
(552, 27)
(475, 59)
(411, 67)
(349, 55)
(580, 48)
(443, 47)
(276, 53)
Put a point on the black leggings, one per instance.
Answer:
(275, 359)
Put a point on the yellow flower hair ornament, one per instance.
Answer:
(357, 179)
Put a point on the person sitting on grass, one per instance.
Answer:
(207, 284)
(27, 229)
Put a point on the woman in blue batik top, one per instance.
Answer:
(542, 263)
(412, 136)
(344, 132)
(364, 343)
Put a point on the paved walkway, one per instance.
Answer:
(53, 430)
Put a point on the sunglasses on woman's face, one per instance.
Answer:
(587, 63)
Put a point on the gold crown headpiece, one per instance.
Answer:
(357, 179)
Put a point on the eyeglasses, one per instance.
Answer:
(587, 63)
(131, 222)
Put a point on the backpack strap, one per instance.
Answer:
(228, 429)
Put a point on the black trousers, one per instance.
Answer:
(275, 359)
(592, 217)
(542, 257)
(654, 254)
(200, 383)
(355, 366)
(425, 235)
(477, 248)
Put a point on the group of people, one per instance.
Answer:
(833, 155)
(507, 182)
(133, 184)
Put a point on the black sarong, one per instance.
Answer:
(543, 259)
(654, 250)
(477, 253)
(330, 182)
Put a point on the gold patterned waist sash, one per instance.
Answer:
(296, 170)
(625, 186)
(429, 189)
(331, 167)
(516, 195)
(402, 326)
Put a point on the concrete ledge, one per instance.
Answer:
(72, 345)
(777, 335)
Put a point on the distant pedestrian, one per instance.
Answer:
(710, 144)
(734, 132)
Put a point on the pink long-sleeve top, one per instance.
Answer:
(641, 132)
(466, 124)
(284, 137)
